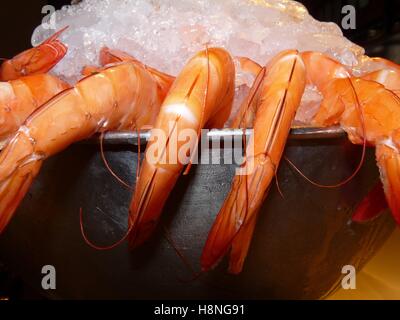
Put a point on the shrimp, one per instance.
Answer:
(341, 92)
(322, 71)
(36, 60)
(374, 118)
(276, 98)
(122, 96)
(368, 109)
(201, 96)
(19, 98)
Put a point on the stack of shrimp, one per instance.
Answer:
(41, 116)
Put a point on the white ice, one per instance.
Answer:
(166, 33)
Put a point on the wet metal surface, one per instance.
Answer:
(300, 245)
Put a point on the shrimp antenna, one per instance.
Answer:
(277, 183)
(362, 158)
(94, 246)
(55, 35)
(196, 276)
(103, 157)
(116, 244)
(182, 257)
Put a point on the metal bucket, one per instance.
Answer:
(301, 241)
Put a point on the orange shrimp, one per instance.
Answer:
(122, 96)
(328, 70)
(375, 202)
(109, 56)
(322, 71)
(200, 96)
(374, 118)
(367, 108)
(36, 60)
(18, 98)
(276, 99)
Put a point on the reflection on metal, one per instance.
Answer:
(300, 133)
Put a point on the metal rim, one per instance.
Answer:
(298, 133)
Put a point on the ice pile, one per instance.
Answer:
(165, 33)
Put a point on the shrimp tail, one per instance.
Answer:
(241, 245)
(389, 166)
(372, 205)
(235, 223)
(40, 59)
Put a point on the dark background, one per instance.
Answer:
(378, 31)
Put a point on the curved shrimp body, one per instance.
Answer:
(322, 70)
(123, 96)
(277, 99)
(164, 81)
(36, 60)
(367, 108)
(109, 56)
(200, 96)
(19, 98)
(375, 117)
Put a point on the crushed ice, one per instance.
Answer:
(166, 33)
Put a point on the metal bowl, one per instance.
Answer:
(301, 242)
